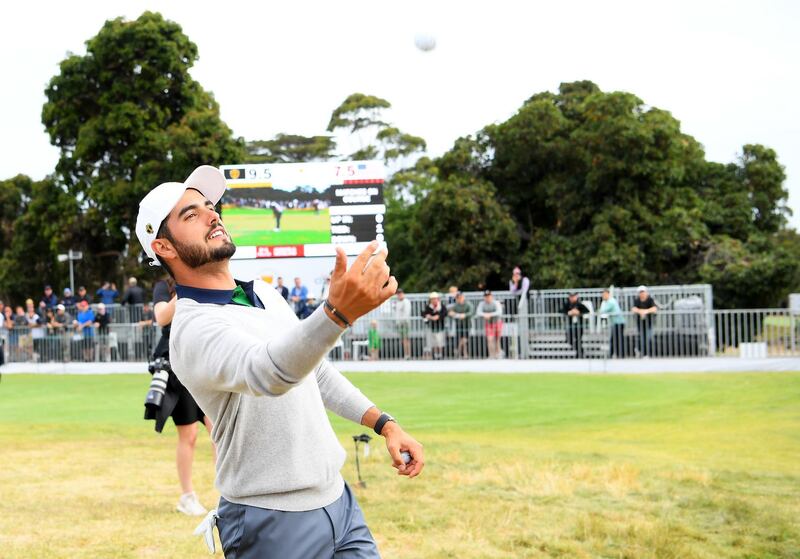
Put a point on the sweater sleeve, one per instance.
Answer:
(224, 356)
(339, 394)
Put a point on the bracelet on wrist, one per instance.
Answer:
(335, 312)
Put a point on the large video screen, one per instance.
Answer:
(293, 210)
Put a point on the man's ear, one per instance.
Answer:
(163, 249)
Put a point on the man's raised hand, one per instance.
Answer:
(365, 286)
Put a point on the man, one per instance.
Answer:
(49, 298)
(59, 326)
(298, 296)
(491, 313)
(402, 316)
(134, 299)
(277, 212)
(84, 328)
(68, 300)
(616, 324)
(574, 310)
(101, 321)
(461, 313)
(81, 295)
(260, 375)
(645, 308)
(37, 329)
(146, 320)
(282, 289)
(107, 293)
(434, 314)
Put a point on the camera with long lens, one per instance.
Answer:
(160, 369)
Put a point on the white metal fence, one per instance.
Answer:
(670, 333)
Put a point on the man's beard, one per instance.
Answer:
(195, 256)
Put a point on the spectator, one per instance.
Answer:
(452, 291)
(84, 329)
(133, 298)
(49, 298)
(82, 295)
(575, 310)
(518, 285)
(68, 300)
(434, 314)
(108, 293)
(36, 327)
(17, 325)
(58, 326)
(308, 307)
(644, 308)
(42, 311)
(616, 324)
(101, 321)
(282, 289)
(298, 296)
(461, 314)
(3, 334)
(374, 341)
(402, 316)
(145, 323)
(491, 313)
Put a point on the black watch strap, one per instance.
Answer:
(383, 420)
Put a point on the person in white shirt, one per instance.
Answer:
(402, 316)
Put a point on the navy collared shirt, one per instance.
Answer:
(218, 296)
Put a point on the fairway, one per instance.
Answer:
(254, 226)
(628, 466)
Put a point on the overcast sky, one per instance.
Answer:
(727, 70)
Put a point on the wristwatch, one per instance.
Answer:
(382, 421)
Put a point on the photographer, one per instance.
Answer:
(177, 402)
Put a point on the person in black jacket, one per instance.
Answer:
(134, 299)
(177, 403)
(434, 314)
(575, 310)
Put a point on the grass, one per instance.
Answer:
(622, 466)
(254, 227)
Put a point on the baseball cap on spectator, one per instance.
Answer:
(487, 292)
(67, 291)
(61, 307)
(158, 203)
(641, 288)
(399, 290)
(433, 295)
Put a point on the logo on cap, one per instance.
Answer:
(234, 173)
(149, 229)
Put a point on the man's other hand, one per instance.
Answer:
(398, 441)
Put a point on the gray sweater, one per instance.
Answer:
(261, 377)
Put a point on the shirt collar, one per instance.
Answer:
(217, 296)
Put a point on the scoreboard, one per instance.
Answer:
(295, 210)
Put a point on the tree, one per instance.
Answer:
(604, 189)
(290, 148)
(461, 235)
(361, 117)
(46, 219)
(126, 116)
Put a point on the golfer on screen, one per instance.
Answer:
(261, 376)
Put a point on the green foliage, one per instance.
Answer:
(290, 148)
(462, 235)
(362, 116)
(35, 219)
(604, 189)
(126, 116)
